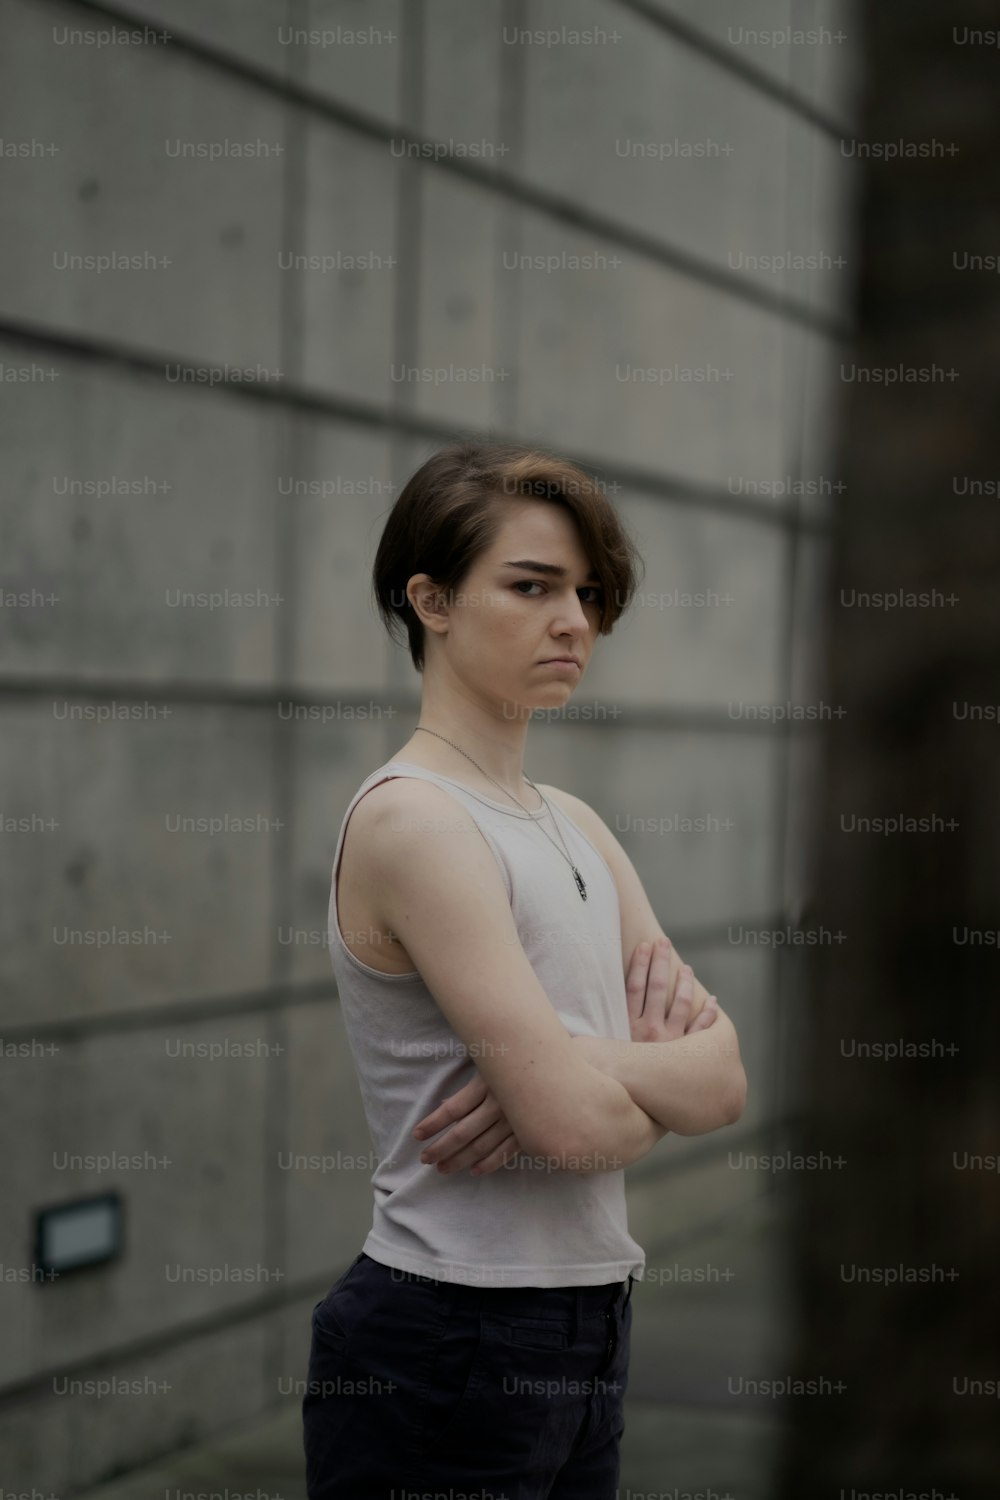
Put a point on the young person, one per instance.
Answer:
(521, 1026)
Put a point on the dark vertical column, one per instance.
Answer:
(899, 1219)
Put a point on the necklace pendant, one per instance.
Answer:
(581, 887)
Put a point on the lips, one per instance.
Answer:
(567, 659)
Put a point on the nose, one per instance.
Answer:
(571, 620)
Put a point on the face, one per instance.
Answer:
(507, 623)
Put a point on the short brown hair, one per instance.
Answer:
(446, 515)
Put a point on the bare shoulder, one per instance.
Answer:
(399, 830)
(413, 824)
(406, 803)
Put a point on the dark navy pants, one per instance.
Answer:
(417, 1384)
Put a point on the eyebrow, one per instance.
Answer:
(553, 570)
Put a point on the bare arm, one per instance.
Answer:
(471, 1131)
(621, 1140)
(662, 1005)
(690, 1085)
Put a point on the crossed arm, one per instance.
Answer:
(686, 1077)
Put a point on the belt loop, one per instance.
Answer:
(628, 1294)
(577, 1306)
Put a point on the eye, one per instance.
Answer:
(589, 588)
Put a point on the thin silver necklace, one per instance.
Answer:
(580, 883)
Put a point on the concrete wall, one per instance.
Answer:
(245, 427)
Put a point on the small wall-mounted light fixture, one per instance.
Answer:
(70, 1236)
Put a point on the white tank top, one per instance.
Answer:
(521, 1225)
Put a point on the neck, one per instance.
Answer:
(495, 742)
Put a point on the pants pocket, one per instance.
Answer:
(532, 1333)
(453, 1377)
(331, 1317)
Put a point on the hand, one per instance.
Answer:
(660, 992)
(479, 1136)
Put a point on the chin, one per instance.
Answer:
(554, 694)
(521, 704)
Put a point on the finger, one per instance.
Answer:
(458, 1136)
(659, 989)
(453, 1108)
(676, 965)
(706, 1016)
(683, 1000)
(635, 983)
(505, 1152)
(474, 1150)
